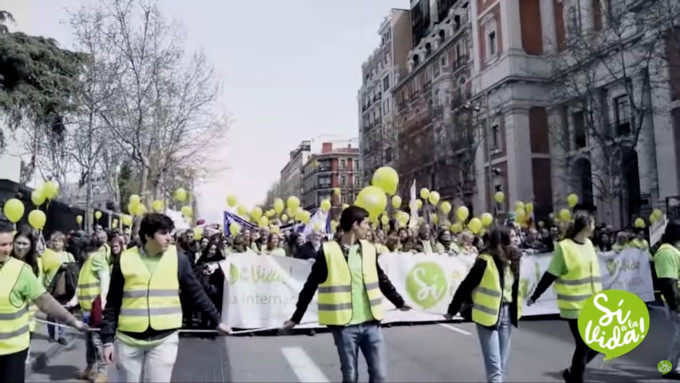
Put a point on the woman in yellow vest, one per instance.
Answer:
(53, 258)
(143, 308)
(93, 285)
(493, 285)
(667, 266)
(351, 285)
(575, 269)
(25, 244)
(19, 286)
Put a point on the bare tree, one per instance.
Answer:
(163, 109)
(602, 82)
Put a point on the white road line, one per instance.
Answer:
(303, 366)
(454, 329)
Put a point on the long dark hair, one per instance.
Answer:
(31, 258)
(580, 221)
(671, 235)
(500, 247)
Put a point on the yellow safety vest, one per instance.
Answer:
(487, 297)
(583, 278)
(663, 247)
(89, 287)
(150, 299)
(335, 293)
(14, 321)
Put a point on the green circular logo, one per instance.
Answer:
(664, 367)
(613, 322)
(233, 274)
(426, 284)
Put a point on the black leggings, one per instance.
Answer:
(13, 367)
(582, 354)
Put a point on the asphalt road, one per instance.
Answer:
(418, 353)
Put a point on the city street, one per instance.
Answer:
(425, 353)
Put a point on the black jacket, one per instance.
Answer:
(191, 291)
(464, 292)
(306, 251)
(318, 276)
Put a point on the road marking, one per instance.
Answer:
(303, 366)
(454, 329)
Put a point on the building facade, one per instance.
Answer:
(290, 183)
(334, 167)
(434, 128)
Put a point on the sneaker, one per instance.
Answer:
(85, 374)
(101, 378)
(566, 375)
(62, 341)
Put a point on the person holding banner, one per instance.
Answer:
(351, 285)
(143, 308)
(493, 284)
(575, 269)
(667, 266)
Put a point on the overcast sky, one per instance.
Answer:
(291, 72)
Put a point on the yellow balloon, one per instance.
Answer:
(434, 218)
(445, 207)
(232, 200)
(396, 202)
(475, 225)
(37, 219)
(284, 218)
(278, 205)
(134, 199)
(385, 220)
(419, 204)
(126, 219)
(37, 197)
(462, 213)
(373, 199)
(434, 197)
(293, 202)
(180, 195)
(141, 210)
(387, 179)
(14, 210)
(334, 225)
(520, 215)
(256, 213)
(242, 210)
(337, 191)
(325, 205)
(345, 206)
(424, 193)
(97, 214)
(114, 224)
(79, 219)
(572, 200)
(519, 205)
(263, 221)
(198, 233)
(457, 227)
(640, 223)
(652, 218)
(158, 206)
(499, 197)
(657, 213)
(187, 211)
(305, 217)
(487, 219)
(234, 228)
(529, 207)
(50, 190)
(565, 214)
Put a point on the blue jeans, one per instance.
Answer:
(369, 338)
(495, 344)
(52, 329)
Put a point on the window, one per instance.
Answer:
(573, 22)
(355, 165)
(343, 181)
(357, 182)
(343, 164)
(579, 130)
(386, 106)
(491, 40)
(388, 154)
(386, 83)
(622, 110)
(495, 137)
(444, 61)
(461, 89)
(459, 53)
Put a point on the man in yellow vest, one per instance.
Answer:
(143, 308)
(18, 287)
(351, 285)
(667, 265)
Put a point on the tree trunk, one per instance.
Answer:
(88, 203)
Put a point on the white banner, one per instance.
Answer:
(261, 291)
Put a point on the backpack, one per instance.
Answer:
(63, 286)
